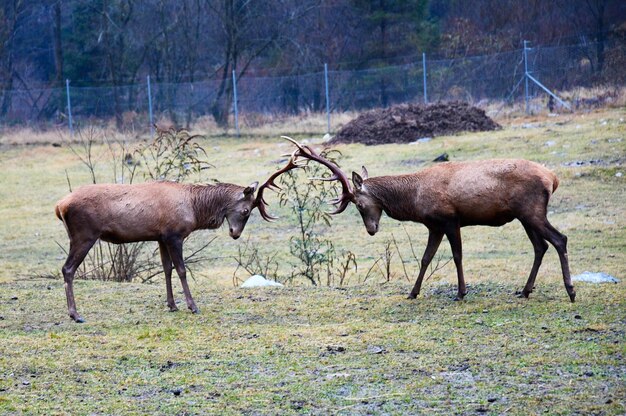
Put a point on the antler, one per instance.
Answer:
(347, 195)
(259, 202)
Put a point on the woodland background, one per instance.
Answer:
(117, 43)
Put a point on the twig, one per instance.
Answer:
(69, 185)
(400, 255)
(370, 269)
(374, 397)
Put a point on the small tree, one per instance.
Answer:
(319, 261)
(173, 155)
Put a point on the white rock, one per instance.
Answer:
(422, 140)
(259, 281)
(591, 277)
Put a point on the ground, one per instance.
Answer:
(363, 349)
(359, 349)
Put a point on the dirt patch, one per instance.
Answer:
(617, 162)
(409, 122)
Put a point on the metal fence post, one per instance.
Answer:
(150, 107)
(235, 102)
(327, 99)
(424, 70)
(526, 77)
(69, 107)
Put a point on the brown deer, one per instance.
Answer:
(166, 212)
(452, 195)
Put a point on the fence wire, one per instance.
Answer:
(475, 79)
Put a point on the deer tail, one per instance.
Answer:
(555, 183)
(59, 211)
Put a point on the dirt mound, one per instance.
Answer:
(409, 122)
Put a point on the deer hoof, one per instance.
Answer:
(195, 310)
(523, 294)
(78, 319)
(173, 308)
(411, 296)
(572, 296)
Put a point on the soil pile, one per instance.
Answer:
(409, 122)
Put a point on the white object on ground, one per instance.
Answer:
(259, 281)
(591, 277)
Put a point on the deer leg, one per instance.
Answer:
(175, 249)
(434, 239)
(75, 257)
(559, 241)
(454, 237)
(540, 246)
(167, 269)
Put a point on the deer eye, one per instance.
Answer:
(359, 205)
(246, 211)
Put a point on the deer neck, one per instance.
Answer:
(396, 195)
(210, 204)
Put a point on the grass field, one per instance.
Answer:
(360, 349)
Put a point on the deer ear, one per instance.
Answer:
(364, 172)
(357, 180)
(250, 189)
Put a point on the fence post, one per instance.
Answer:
(424, 70)
(526, 77)
(150, 107)
(69, 107)
(235, 102)
(327, 99)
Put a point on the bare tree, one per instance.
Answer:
(10, 11)
(247, 30)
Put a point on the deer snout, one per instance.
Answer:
(372, 228)
(234, 234)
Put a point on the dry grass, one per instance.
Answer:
(582, 100)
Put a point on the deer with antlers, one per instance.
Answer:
(452, 195)
(166, 212)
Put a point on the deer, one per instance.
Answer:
(452, 195)
(166, 212)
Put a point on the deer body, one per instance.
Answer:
(452, 195)
(147, 212)
(492, 192)
(165, 212)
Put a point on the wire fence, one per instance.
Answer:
(476, 79)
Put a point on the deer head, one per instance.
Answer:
(238, 214)
(369, 207)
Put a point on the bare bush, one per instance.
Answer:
(435, 265)
(250, 259)
(172, 155)
(382, 264)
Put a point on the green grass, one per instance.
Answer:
(363, 349)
